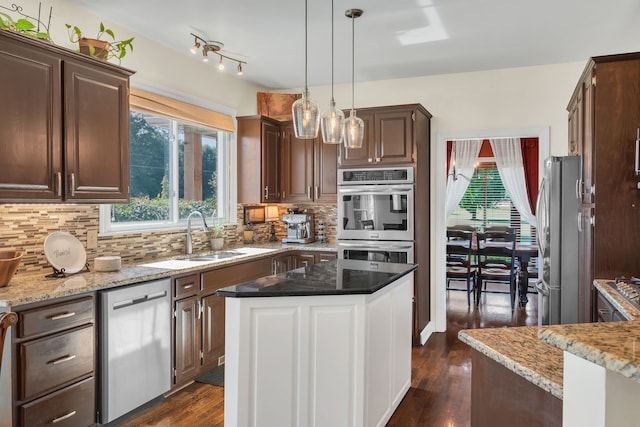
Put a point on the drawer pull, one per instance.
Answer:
(63, 315)
(64, 417)
(189, 286)
(63, 359)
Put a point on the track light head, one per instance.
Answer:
(240, 72)
(220, 64)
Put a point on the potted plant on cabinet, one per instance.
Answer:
(98, 47)
(23, 26)
(216, 236)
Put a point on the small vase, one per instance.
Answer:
(217, 243)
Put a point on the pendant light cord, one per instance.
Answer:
(353, 62)
(306, 89)
(332, 99)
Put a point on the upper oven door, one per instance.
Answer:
(375, 212)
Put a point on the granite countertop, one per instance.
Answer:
(620, 303)
(29, 288)
(336, 277)
(519, 350)
(612, 345)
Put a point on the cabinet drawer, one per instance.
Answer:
(55, 317)
(71, 406)
(186, 286)
(234, 274)
(54, 361)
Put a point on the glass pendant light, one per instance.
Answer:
(353, 126)
(332, 120)
(305, 111)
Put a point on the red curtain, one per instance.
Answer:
(530, 162)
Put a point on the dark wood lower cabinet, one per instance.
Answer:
(187, 339)
(70, 407)
(501, 398)
(212, 331)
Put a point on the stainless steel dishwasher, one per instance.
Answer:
(135, 346)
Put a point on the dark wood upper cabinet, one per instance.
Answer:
(604, 116)
(67, 137)
(309, 168)
(388, 137)
(259, 151)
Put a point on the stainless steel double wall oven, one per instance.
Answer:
(376, 214)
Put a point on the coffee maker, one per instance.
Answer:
(299, 227)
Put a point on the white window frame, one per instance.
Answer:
(227, 190)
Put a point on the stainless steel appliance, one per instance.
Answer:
(135, 346)
(629, 289)
(374, 250)
(557, 228)
(376, 214)
(375, 204)
(299, 227)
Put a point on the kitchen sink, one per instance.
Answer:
(196, 260)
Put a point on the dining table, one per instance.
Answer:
(524, 252)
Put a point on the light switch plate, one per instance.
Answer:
(92, 239)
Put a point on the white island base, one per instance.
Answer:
(330, 360)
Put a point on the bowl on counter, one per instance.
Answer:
(9, 261)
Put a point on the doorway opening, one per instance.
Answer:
(439, 225)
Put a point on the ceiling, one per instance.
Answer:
(393, 39)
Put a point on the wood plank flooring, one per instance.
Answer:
(440, 393)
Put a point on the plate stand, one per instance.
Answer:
(61, 273)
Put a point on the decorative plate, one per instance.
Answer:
(64, 251)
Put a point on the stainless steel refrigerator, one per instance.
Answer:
(557, 229)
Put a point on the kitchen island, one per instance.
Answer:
(548, 375)
(328, 344)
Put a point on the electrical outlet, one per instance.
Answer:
(92, 239)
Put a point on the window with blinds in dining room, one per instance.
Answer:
(486, 203)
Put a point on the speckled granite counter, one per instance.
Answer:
(26, 289)
(613, 345)
(520, 351)
(337, 277)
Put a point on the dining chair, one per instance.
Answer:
(496, 261)
(6, 319)
(460, 260)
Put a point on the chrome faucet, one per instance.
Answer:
(204, 227)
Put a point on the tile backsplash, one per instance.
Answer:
(26, 226)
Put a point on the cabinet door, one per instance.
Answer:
(587, 146)
(364, 155)
(326, 172)
(326, 256)
(31, 134)
(304, 259)
(270, 162)
(97, 134)
(212, 330)
(187, 339)
(394, 137)
(576, 123)
(282, 264)
(297, 170)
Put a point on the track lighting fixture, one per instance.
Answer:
(213, 47)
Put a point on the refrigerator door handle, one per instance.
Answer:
(580, 221)
(578, 195)
(540, 211)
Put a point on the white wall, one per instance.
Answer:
(158, 67)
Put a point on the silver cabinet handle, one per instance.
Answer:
(64, 417)
(63, 359)
(284, 194)
(370, 160)
(309, 192)
(377, 159)
(59, 183)
(266, 192)
(73, 184)
(592, 220)
(580, 221)
(316, 192)
(63, 315)
(593, 190)
(189, 286)
(199, 310)
(578, 185)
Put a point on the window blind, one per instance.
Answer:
(148, 102)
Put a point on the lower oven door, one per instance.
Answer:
(376, 250)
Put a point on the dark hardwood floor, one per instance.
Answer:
(440, 393)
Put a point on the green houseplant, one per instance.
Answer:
(216, 236)
(98, 47)
(23, 26)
